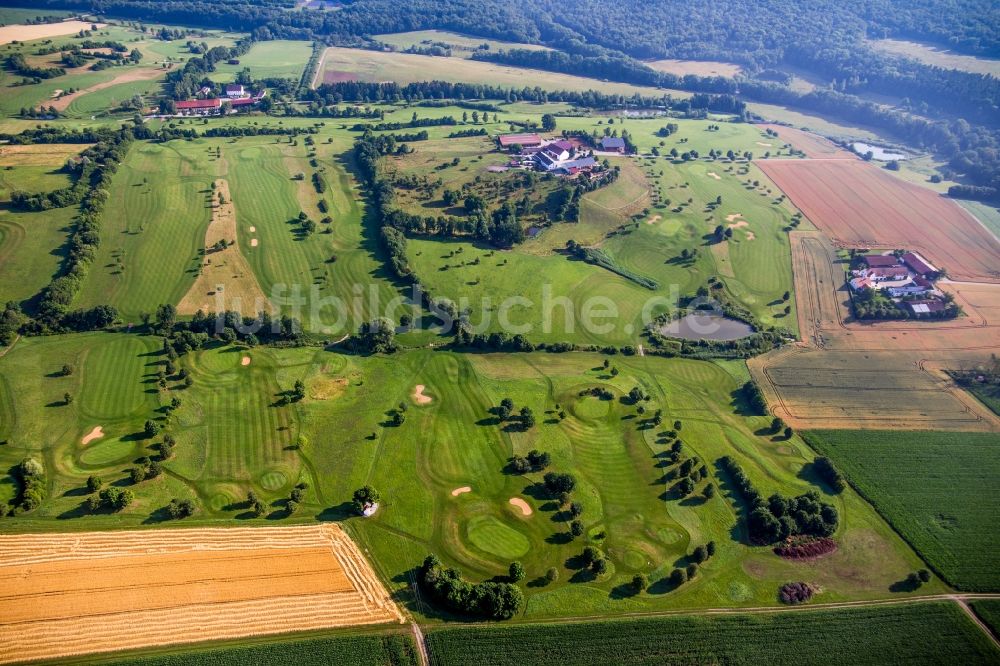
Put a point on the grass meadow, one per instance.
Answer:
(279, 58)
(938, 489)
(924, 633)
(462, 45)
(234, 435)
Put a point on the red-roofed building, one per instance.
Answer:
(198, 106)
(888, 273)
(918, 265)
(243, 101)
(526, 140)
(880, 260)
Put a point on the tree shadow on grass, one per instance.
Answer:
(341, 511)
(623, 591)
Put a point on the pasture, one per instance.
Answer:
(696, 67)
(346, 64)
(938, 489)
(234, 435)
(938, 56)
(277, 59)
(462, 46)
(177, 586)
(926, 633)
(861, 206)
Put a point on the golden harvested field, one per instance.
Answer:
(67, 594)
(40, 154)
(848, 374)
(24, 33)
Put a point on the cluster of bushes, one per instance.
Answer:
(111, 498)
(796, 593)
(17, 63)
(461, 134)
(535, 461)
(525, 418)
(778, 517)
(422, 135)
(490, 599)
(145, 469)
(830, 474)
(805, 547)
(30, 474)
(414, 122)
(180, 508)
(498, 341)
(377, 336)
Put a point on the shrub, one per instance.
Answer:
(488, 599)
(795, 593)
(516, 571)
(365, 495)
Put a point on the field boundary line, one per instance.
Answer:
(979, 623)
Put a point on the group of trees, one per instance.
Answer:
(535, 461)
(778, 517)
(32, 487)
(490, 599)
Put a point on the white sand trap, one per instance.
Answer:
(712, 174)
(245, 360)
(733, 216)
(253, 230)
(253, 242)
(766, 145)
(750, 235)
(460, 491)
(522, 505)
(96, 433)
(737, 225)
(654, 219)
(418, 395)
(56, 93)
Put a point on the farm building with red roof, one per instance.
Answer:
(919, 265)
(880, 260)
(526, 140)
(198, 106)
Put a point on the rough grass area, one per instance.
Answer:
(921, 633)
(937, 489)
(462, 46)
(387, 649)
(279, 59)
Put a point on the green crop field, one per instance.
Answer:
(988, 611)
(376, 649)
(988, 215)
(272, 59)
(937, 489)
(234, 435)
(921, 633)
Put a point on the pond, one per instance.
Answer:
(878, 153)
(706, 326)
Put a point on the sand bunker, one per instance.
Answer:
(253, 230)
(522, 505)
(750, 235)
(738, 224)
(733, 216)
(766, 145)
(253, 242)
(245, 360)
(96, 433)
(712, 174)
(418, 395)
(654, 219)
(459, 491)
(226, 281)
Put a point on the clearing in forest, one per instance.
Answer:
(73, 594)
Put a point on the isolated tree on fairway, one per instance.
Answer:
(151, 428)
(678, 577)
(576, 528)
(552, 575)
(700, 554)
(527, 418)
(600, 566)
(516, 571)
(365, 495)
(94, 483)
(639, 583)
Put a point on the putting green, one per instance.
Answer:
(106, 452)
(489, 534)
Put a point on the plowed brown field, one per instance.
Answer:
(858, 205)
(66, 594)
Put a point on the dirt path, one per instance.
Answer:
(142, 74)
(226, 281)
(418, 636)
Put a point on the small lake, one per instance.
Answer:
(706, 326)
(878, 153)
